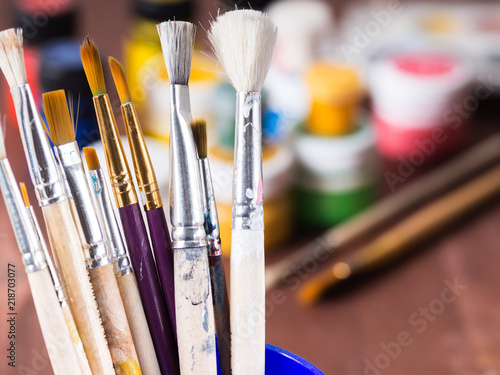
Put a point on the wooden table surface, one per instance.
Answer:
(437, 312)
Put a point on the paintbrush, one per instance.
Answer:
(193, 299)
(123, 272)
(344, 234)
(217, 274)
(63, 303)
(148, 185)
(134, 229)
(243, 41)
(50, 316)
(404, 236)
(113, 316)
(63, 234)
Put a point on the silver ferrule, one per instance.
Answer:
(248, 211)
(41, 163)
(70, 161)
(48, 259)
(27, 240)
(186, 202)
(119, 258)
(211, 217)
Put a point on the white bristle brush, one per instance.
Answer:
(243, 41)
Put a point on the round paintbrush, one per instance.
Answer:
(99, 265)
(243, 41)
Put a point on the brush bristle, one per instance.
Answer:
(58, 117)
(24, 193)
(3, 152)
(91, 158)
(177, 43)
(243, 41)
(120, 80)
(93, 68)
(12, 58)
(200, 137)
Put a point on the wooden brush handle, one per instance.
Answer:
(114, 320)
(194, 312)
(138, 324)
(66, 244)
(77, 342)
(54, 330)
(247, 302)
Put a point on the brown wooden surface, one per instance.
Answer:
(344, 331)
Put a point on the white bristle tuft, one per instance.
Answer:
(12, 58)
(3, 153)
(177, 43)
(243, 41)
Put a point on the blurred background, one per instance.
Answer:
(363, 99)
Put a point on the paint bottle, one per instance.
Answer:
(277, 167)
(336, 176)
(420, 110)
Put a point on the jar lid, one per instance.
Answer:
(333, 83)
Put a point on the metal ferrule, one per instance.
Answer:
(248, 211)
(119, 258)
(119, 172)
(186, 202)
(41, 163)
(71, 161)
(144, 172)
(48, 259)
(211, 217)
(27, 240)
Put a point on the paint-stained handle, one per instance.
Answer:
(194, 311)
(138, 324)
(54, 330)
(247, 302)
(221, 312)
(75, 339)
(114, 320)
(68, 251)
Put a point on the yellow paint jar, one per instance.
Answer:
(335, 94)
(277, 168)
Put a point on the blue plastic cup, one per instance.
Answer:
(282, 362)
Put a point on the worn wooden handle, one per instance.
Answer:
(247, 302)
(54, 330)
(114, 320)
(138, 324)
(76, 340)
(66, 245)
(194, 312)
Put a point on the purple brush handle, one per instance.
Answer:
(158, 231)
(149, 287)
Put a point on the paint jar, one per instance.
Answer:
(336, 176)
(419, 105)
(335, 93)
(281, 361)
(277, 179)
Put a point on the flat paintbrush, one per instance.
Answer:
(148, 185)
(133, 225)
(70, 322)
(50, 316)
(101, 273)
(63, 234)
(243, 41)
(217, 274)
(193, 297)
(123, 271)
